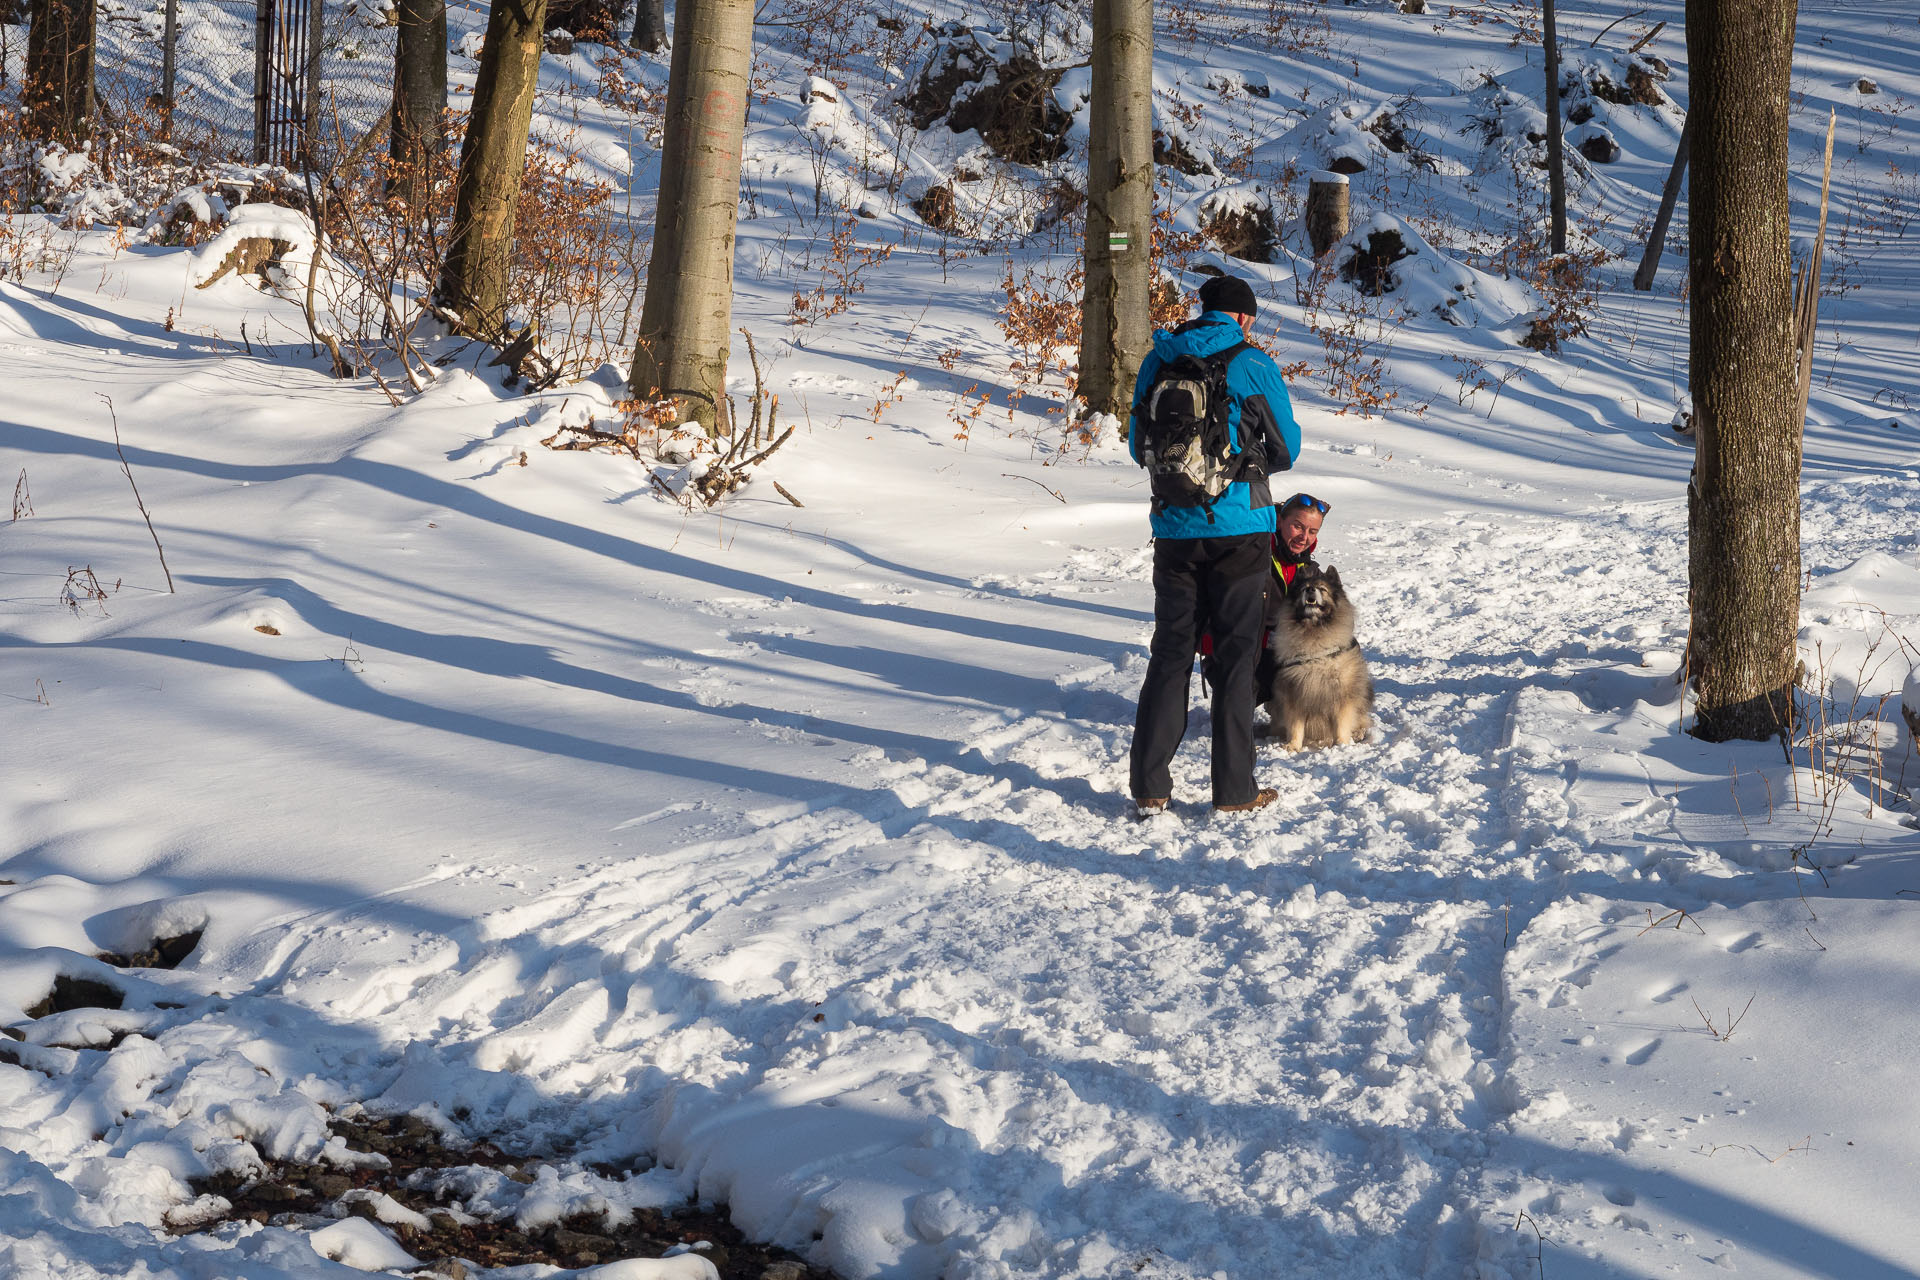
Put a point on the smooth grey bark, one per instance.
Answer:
(1115, 315)
(686, 320)
(493, 161)
(649, 25)
(1743, 503)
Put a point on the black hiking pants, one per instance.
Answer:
(1220, 584)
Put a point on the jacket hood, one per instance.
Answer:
(1211, 332)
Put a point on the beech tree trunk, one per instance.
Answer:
(1115, 326)
(1556, 144)
(649, 25)
(686, 320)
(58, 94)
(419, 132)
(493, 160)
(1743, 503)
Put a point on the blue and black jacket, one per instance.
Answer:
(1261, 416)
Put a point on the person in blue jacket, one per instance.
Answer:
(1211, 563)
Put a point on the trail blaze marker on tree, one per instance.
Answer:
(1117, 242)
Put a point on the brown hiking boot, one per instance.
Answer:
(1262, 798)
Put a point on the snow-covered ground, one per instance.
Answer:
(781, 856)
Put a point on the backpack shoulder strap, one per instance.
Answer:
(1224, 357)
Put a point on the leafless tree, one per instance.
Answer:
(419, 97)
(59, 95)
(1556, 142)
(493, 160)
(1743, 503)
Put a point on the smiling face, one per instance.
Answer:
(1299, 528)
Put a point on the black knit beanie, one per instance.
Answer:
(1228, 293)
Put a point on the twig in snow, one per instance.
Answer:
(136, 491)
(782, 491)
(1057, 495)
(1616, 22)
(767, 452)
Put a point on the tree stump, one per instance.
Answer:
(1327, 210)
(251, 257)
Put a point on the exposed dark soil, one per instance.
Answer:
(303, 1195)
(76, 993)
(288, 1193)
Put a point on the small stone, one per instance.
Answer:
(582, 1244)
(451, 1268)
(332, 1185)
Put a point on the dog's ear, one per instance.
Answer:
(1332, 575)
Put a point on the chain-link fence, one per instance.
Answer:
(241, 80)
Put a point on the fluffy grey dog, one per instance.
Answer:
(1322, 694)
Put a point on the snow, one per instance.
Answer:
(779, 856)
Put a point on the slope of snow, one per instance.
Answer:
(780, 855)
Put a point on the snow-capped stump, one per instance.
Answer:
(258, 240)
(1865, 86)
(1225, 83)
(1353, 137)
(1643, 81)
(1507, 116)
(1173, 152)
(938, 207)
(999, 90)
(1595, 143)
(1628, 80)
(1239, 222)
(1368, 266)
(250, 256)
(194, 212)
(188, 217)
(1385, 255)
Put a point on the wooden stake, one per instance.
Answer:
(1657, 238)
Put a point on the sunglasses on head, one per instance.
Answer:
(1305, 500)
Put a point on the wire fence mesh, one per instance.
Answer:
(209, 55)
